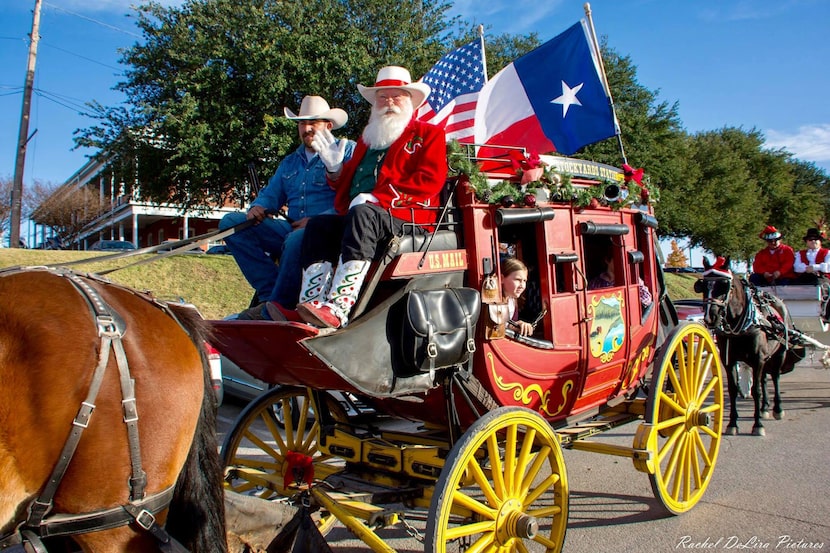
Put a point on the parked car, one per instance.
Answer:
(238, 384)
(689, 309)
(681, 270)
(219, 249)
(243, 387)
(112, 245)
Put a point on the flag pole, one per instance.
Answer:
(595, 43)
(483, 56)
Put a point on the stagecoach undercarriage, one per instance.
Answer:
(502, 481)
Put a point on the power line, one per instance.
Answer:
(107, 25)
(81, 109)
(80, 56)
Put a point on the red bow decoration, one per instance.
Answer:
(298, 467)
(631, 173)
(519, 160)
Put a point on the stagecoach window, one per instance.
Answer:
(598, 251)
(520, 241)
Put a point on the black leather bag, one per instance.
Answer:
(439, 328)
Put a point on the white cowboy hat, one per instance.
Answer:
(393, 76)
(315, 107)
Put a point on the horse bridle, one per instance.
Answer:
(722, 326)
(141, 509)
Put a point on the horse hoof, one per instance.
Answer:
(758, 431)
(731, 431)
(765, 415)
(778, 415)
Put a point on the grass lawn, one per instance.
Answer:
(213, 283)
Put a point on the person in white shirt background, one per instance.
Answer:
(812, 264)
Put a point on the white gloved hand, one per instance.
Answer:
(331, 153)
(365, 197)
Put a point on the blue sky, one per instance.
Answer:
(743, 63)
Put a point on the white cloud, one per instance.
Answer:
(809, 142)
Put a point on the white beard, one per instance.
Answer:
(386, 125)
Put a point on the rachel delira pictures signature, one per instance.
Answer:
(779, 543)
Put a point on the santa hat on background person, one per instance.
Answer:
(393, 76)
(770, 233)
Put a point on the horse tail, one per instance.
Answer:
(196, 517)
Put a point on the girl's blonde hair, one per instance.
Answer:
(511, 265)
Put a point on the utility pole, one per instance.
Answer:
(22, 138)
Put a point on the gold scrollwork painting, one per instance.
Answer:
(524, 394)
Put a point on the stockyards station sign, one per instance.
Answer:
(585, 169)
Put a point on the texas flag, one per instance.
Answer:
(551, 99)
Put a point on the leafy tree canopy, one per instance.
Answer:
(207, 84)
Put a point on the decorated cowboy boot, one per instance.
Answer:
(314, 287)
(316, 282)
(345, 288)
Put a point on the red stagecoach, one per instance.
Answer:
(471, 418)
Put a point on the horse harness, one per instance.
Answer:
(758, 315)
(141, 508)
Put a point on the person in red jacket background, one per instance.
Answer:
(396, 173)
(773, 264)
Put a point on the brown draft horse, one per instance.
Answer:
(57, 343)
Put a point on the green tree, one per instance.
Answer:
(812, 185)
(730, 187)
(207, 85)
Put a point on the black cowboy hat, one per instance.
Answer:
(814, 234)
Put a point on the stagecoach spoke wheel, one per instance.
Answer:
(277, 424)
(684, 418)
(503, 488)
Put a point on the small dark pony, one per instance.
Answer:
(107, 420)
(751, 326)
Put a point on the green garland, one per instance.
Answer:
(558, 185)
(460, 163)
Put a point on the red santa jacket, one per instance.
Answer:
(780, 259)
(412, 174)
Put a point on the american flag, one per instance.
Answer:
(455, 82)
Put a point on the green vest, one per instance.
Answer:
(366, 175)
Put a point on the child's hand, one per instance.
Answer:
(523, 328)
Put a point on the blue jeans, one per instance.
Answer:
(255, 249)
(286, 290)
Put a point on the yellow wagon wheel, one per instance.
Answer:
(683, 418)
(279, 421)
(503, 488)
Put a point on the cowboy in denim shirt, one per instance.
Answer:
(300, 183)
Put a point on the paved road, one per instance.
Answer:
(768, 494)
